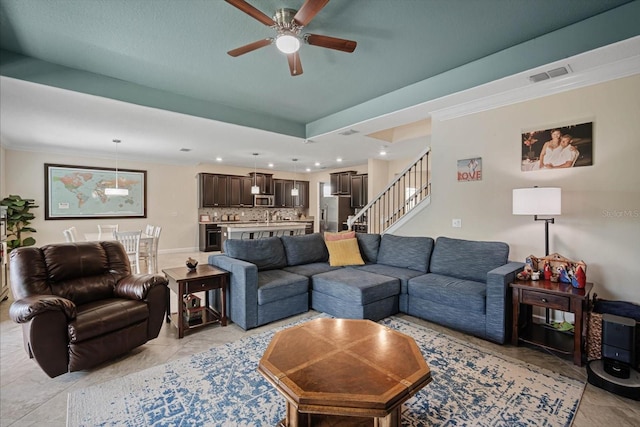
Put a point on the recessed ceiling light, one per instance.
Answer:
(308, 169)
(339, 159)
(383, 153)
(218, 159)
(317, 164)
(270, 165)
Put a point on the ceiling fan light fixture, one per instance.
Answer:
(287, 43)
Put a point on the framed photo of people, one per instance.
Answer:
(557, 147)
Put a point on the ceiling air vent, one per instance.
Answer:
(185, 150)
(348, 132)
(556, 72)
(539, 77)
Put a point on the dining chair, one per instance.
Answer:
(156, 241)
(131, 242)
(146, 248)
(107, 228)
(74, 233)
(68, 237)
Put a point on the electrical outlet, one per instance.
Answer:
(456, 223)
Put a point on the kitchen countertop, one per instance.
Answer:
(258, 226)
(286, 221)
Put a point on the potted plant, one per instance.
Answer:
(18, 220)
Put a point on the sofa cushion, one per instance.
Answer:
(354, 285)
(405, 252)
(369, 244)
(305, 249)
(403, 274)
(344, 252)
(466, 259)
(329, 237)
(102, 317)
(449, 292)
(275, 285)
(310, 269)
(266, 254)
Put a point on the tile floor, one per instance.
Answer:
(28, 397)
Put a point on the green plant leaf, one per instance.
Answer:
(29, 241)
(29, 229)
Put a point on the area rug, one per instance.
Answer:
(221, 387)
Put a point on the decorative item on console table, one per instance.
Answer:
(560, 269)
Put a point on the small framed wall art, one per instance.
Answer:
(470, 169)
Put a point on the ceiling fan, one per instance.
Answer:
(288, 24)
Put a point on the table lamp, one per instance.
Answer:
(538, 201)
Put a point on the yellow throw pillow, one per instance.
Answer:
(339, 236)
(344, 252)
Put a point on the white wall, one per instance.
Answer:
(600, 221)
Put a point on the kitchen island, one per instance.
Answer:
(259, 230)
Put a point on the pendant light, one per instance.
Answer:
(254, 188)
(116, 191)
(294, 190)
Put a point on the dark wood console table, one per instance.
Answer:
(554, 295)
(204, 278)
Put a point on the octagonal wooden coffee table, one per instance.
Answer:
(343, 372)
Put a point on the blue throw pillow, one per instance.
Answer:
(266, 254)
(405, 252)
(305, 249)
(369, 244)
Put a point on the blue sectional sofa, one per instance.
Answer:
(458, 283)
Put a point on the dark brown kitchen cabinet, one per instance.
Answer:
(302, 201)
(341, 183)
(240, 191)
(359, 190)
(283, 198)
(264, 181)
(213, 190)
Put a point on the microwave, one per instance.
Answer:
(263, 200)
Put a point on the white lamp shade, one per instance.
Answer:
(255, 189)
(287, 43)
(116, 191)
(294, 192)
(537, 201)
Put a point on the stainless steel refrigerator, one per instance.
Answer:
(334, 211)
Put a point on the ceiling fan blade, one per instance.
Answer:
(331, 42)
(308, 11)
(252, 11)
(294, 64)
(250, 47)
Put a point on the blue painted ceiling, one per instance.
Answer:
(171, 54)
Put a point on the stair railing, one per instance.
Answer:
(402, 195)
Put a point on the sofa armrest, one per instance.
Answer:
(25, 309)
(242, 301)
(137, 286)
(498, 304)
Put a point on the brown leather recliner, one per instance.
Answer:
(79, 304)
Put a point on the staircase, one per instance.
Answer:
(411, 189)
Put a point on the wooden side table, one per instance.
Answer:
(557, 296)
(204, 278)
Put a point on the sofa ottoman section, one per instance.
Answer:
(355, 294)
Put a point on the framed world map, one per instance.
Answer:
(78, 192)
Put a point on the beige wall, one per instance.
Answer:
(600, 221)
